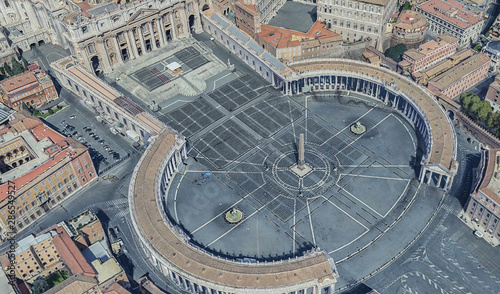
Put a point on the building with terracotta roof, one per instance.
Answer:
(32, 88)
(452, 17)
(410, 29)
(111, 105)
(247, 17)
(483, 206)
(44, 166)
(289, 45)
(85, 229)
(428, 53)
(356, 20)
(425, 75)
(493, 94)
(461, 77)
(37, 256)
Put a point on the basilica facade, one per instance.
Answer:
(99, 33)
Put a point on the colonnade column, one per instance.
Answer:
(185, 24)
(173, 26)
(129, 45)
(161, 32)
(117, 47)
(153, 40)
(85, 57)
(141, 39)
(104, 55)
(134, 43)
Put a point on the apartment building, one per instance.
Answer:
(355, 20)
(483, 206)
(452, 17)
(461, 77)
(44, 166)
(428, 53)
(493, 94)
(289, 45)
(32, 88)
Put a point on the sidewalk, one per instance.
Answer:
(475, 227)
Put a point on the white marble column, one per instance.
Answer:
(129, 45)
(185, 24)
(141, 39)
(117, 47)
(161, 31)
(153, 40)
(85, 57)
(198, 28)
(134, 43)
(173, 27)
(104, 56)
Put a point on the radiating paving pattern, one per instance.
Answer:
(354, 187)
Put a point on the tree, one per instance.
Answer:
(484, 111)
(25, 62)
(39, 285)
(7, 69)
(395, 53)
(17, 67)
(494, 120)
(478, 48)
(407, 6)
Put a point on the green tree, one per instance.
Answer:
(17, 67)
(407, 6)
(7, 69)
(478, 48)
(395, 53)
(39, 285)
(25, 62)
(494, 120)
(484, 111)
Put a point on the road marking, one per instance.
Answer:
(238, 224)
(344, 212)
(361, 136)
(375, 177)
(359, 200)
(310, 221)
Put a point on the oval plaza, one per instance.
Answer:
(199, 271)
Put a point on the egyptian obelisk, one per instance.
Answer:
(301, 163)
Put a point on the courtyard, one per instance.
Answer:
(243, 146)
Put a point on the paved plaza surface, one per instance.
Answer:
(355, 196)
(296, 16)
